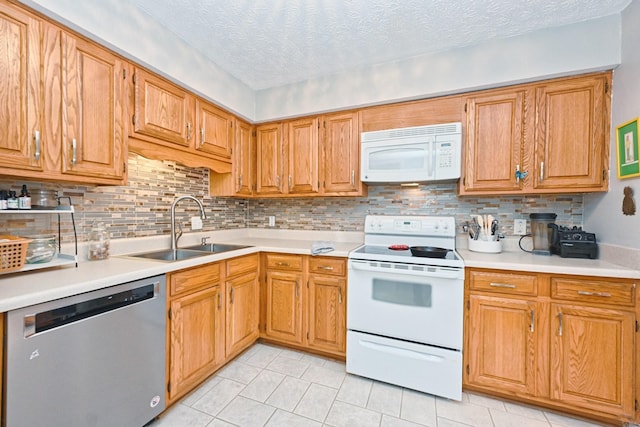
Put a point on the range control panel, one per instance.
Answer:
(443, 226)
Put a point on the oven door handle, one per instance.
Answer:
(413, 270)
(401, 351)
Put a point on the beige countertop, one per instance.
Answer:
(24, 289)
(27, 288)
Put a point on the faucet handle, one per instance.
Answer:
(203, 240)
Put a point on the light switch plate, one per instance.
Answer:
(196, 223)
(272, 221)
(520, 227)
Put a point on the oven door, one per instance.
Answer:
(406, 301)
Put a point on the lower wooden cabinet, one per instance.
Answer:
(566, 342)
(195, 328)
(243, 306)
(304, 302)
(213, 313)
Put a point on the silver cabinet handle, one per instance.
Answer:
(290, 181)
(73, 152)
(282, 264)
(339, 295)
(595, 294)
(240, 180)
(325, 267)
(231, 296)
(502, 285)
(188, 131)
(201, 137)
(219, 301)
(559, 324)
(533, 321)
(297, 289)
(517, 174)
(353, 177)
(36, 138)
(541, 171)
(278, 181)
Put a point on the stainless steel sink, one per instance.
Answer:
(215, 247)
(169, 255)
(188, 252)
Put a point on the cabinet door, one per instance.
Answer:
(592, 358)
(243, 160)
(215, 130)
(161, 110)
(495, 141)
(284, 306)
(502, 340)
(302, 152)
(20, 97)
(269, 159)
(243, 310)
(196, 339)
(341, 154)
(327, 313)
(93, 140)
(572, 134)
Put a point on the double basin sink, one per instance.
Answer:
(188, 252)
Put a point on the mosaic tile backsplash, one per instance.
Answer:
(142, 208)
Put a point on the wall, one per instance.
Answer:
(572, 49)
(581, 47)
(142, 207)
(603, 212)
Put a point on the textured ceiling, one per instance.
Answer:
(268, 43)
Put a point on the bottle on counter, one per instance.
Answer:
(12, 200)
(24, 201)
(98, 242)
(3, 200)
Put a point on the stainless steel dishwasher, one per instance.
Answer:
(94, 359)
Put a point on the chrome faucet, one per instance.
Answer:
(176, 235)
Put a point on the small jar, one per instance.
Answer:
(41, 248)
(98, 242)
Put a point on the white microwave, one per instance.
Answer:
(412, 154)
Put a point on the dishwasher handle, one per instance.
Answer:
(61, 316)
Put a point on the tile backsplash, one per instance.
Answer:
(142, 208)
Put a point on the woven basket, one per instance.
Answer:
(13, 251)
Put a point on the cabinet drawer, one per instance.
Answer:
(194, 279)
(594, 290)
(237, 266)
(510, 283)
(284, 262)
(328, 265)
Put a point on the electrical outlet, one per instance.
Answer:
(196, 223)
(272, 221)
(520, 227)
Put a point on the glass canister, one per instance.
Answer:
(41, 249)
(98, 242)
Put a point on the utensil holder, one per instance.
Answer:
(486, 246)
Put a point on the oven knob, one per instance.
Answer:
(576, 236)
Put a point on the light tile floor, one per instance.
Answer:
(277, 387)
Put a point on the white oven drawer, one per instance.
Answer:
(419, 367)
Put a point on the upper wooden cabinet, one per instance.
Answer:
(93, 138)
(169, 123)
(161, 110)
(546, 137)
(303, 156)
(64, 115)
(572, 134)
(215, 130)
(21, 132)
(341, 155)
(317, 155)
(269, 159)
(243, 159)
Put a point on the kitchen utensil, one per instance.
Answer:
(494, 227)
(481, 224)
(428, 251)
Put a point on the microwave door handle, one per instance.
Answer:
(432, 157)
